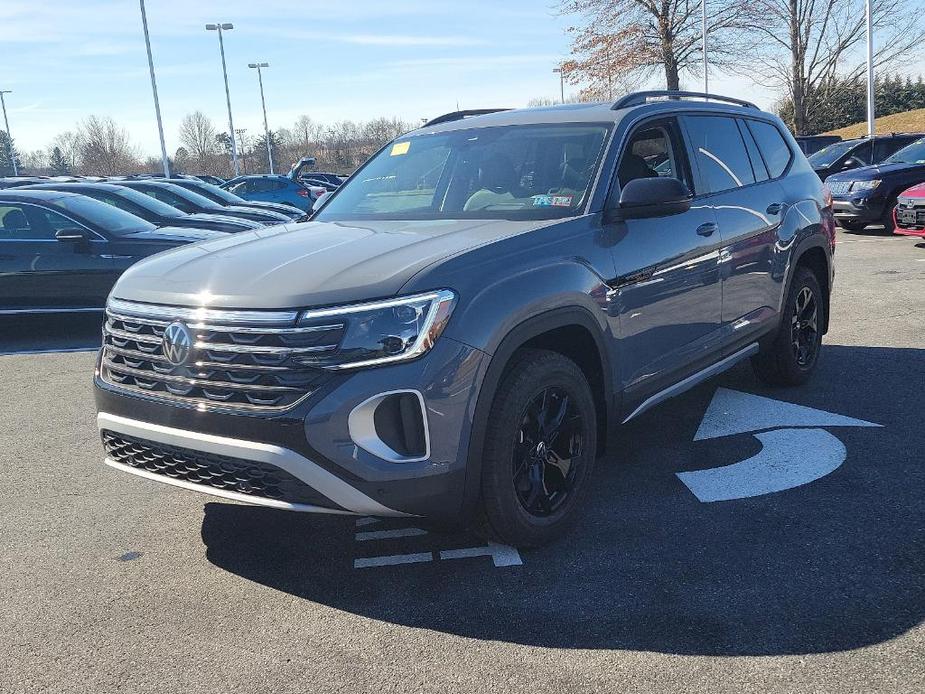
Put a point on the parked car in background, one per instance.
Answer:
(190, 202)
(304, 170)
(220, 196)
(868, 195)
(207, 178)
(810, 144)
(465, 322)
(63, 251)
(150, 209)
(18, 181)
(909, 213)
(862, 151)
(279, 189)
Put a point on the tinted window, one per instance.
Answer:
(14, 224)
(126, 198)
(108, 218)
(507, 172)
(773, 146)
(720, 153)
(649, 154)
(758, 167)
(827, 156)
(911, 154)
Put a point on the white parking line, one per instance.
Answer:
(392, 560)
(501, 555)
(389, 534)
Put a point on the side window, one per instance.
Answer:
(885, 148)
(52, 222)
(651, 152)
(239, 188)
(720, 152)
(758, 167)
(863, 153)
(773, 146)
(13, 223)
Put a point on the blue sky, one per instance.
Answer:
(330, 59)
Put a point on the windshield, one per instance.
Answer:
(110, 219)
(131, 200)
(831, 154)
(181, 198)
(213, 193)
(508, 172)
(910, 154)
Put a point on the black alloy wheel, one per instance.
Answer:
(804, 328)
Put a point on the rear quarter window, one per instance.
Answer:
(773, 147)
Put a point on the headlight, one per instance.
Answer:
(864, 185)
(381, 332)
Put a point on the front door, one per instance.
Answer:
(666, 291)
(38, 271)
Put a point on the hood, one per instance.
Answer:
(306, 265)
(866, 173)
(175, 234)
(223, 219)
(288, 210)
(917, 191)
(271, 215)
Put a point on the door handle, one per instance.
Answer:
(707, 228)
(774, 208)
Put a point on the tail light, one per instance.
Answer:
(303, 192)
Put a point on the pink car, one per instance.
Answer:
(909, 213)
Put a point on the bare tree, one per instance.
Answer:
(68, 148)
(104, 147)
(617, 44)
(807, 47)
(198, 137)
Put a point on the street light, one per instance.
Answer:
(9, 137)
(221, 47)
(703, 28)
(561, 82)
(263, 103)
(871, 111)
(157, 106)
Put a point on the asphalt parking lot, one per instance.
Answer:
(810, 577)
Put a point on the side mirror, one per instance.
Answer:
(319, 203)
(852, 163)
(72, 235)
(651, 197)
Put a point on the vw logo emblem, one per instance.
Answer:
(177, 343)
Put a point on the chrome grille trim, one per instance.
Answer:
(234, 365)
(186, 313)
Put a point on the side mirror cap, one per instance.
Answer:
(73, 235)
(651, 197)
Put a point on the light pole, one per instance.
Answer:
(240, 132)
(871, 111)
(157, 106)
(263, 103)
(703, 28)
(221, 47)
(561, 83)
(9, 137)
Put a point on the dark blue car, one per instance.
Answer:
(272, 188)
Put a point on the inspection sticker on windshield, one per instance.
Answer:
(400, 148)
(552, 200)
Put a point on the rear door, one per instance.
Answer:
(748, 203)
(667, 287)
(38, 271)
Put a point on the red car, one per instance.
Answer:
(909, 213)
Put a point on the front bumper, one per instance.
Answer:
(312, 443)
(869, 209)
(910, 221)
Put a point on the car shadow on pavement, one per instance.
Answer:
(64, 332)
(832, 565)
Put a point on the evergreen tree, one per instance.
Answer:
(58, 164)
(6, 147)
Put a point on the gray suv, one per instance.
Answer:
(461, 327)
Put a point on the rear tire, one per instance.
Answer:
(538, 452)
(791, 359)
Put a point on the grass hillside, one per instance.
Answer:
(906, 122)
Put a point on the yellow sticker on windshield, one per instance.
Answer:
(400, 148)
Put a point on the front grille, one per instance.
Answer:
(216, 471)
(236, 360)
(839, 187)
(911, 217)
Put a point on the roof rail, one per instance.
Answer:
(637, 98)
(459, 115)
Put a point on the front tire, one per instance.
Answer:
(791, 359)
(539, 451)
